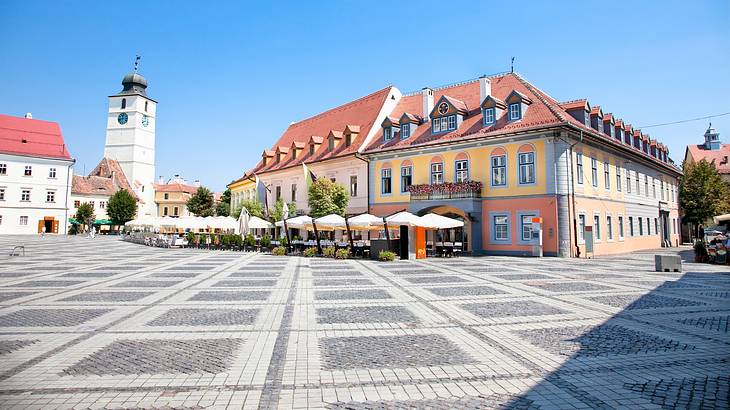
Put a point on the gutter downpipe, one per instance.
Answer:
(367, 182)
(572, 192)
(68, 190)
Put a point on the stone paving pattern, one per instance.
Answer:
(102, 324)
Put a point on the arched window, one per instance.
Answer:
(146, 106)
(498, 159)
(526, 160)
(386, 181)
(124, 103)
(461, 167)
(406, 175)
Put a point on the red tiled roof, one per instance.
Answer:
(718, 156)
(536, 115)
(105, 179)
(176, 187)
(543, 112)
(575, 105)
(35, 138)
(360, 113)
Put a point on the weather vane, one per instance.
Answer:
(136, 63)
(512, 65)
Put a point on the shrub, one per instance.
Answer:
(310, 252)
(386, 256)
(266, 241)
(283, 241)
(190, 237)
(342, 254)
(250, 240)
(329, 252)
(279, 251)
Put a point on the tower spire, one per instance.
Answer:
(136, 62)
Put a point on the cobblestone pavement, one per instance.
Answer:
(107, 324)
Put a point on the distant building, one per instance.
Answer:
(171, 198)
(712, 150)
(97, 187)
(35, 173)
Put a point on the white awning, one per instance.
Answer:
(721, 218)
(405, 218)
(441, 222)
(257, 223)
(365, 222)
(297, 222)
(330, 222)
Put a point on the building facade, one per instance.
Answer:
(497, 152)
(130, 138)
(96, 188)
(712, 150)
(171, 197)
(35, 173)
(328, 145)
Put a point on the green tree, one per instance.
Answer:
(702, 192)
(84, 214)
(202, 203)
(122, 207)
(327, 197)
(224, 206)
(254, 207)
(278, 211)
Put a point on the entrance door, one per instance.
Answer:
(664, 217)
(403, 242)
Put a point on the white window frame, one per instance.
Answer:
(581, 227)
(579, 168)
(452, 122)
(499, 165)
(609, 228)
(385, 174)
(461, 170)
(606, 175)
(621, 228)
(526, 167)
(526, 227)
(497, 231)
(2, 193)
(618, 178)
(594, 172)
(23, 193)
(387, 135)
(515, 112)
(50, 196)
(597, 227)
(23, 220)
(405, 131)
(489, 116)
(406, 171)
(437, 173)
(52, 173)
(353, 186)
(3, 168)
(28, 172)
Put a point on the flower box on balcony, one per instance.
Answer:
(447, 190)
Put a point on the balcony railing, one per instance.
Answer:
(447, 190)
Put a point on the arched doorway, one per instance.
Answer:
(463, 235)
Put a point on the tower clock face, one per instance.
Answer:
(123, 118)
(443, 108)
(145, 120)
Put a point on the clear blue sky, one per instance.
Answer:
(230, 77)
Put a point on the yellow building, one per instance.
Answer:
(497, 152)
(172, 198)
(243, 189)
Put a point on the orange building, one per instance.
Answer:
(497, 152)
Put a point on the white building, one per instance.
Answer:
(35, 176)
(96, 188)
(130, 138)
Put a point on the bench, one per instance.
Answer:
(667, 263)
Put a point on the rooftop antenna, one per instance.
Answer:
(136, 62)
(512, 65)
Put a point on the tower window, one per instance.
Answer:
(124, 103)
(146, 105)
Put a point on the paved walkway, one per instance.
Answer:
(106, 324)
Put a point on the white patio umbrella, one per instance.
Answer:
(330, 222)
(297, 222)
(436, 221)
(192, 222)
(144, 220)
(364, 222)
(406, 218)
(257, 223)
(243, 220)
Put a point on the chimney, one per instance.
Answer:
(161, 180)
(29, 115)
(197, 183)
(114, 179)
(485, 88)
(427, 95)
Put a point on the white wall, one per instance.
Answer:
(39, 183)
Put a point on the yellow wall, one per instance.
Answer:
(479, 170)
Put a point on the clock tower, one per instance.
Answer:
(130, 137)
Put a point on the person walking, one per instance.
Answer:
(43, 231)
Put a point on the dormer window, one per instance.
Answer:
(331, 144)
(517, 105)
(278, 157)
(515, 113)
(311, 149)
(588, 119)
(444, 124)
(489, 116)
(388, 133)
(348, 140)
(405, 131)
(294, 153)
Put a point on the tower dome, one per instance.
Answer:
(134, 83)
